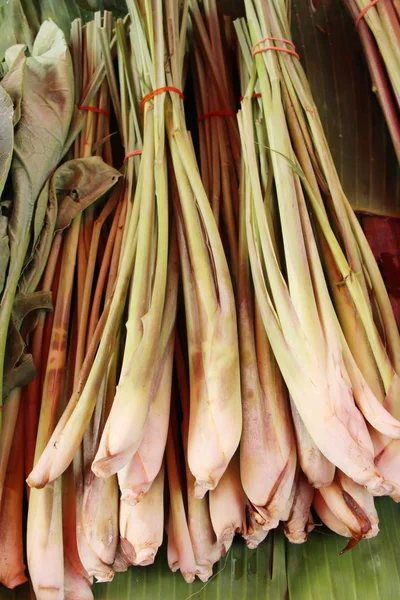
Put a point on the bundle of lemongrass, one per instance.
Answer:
(275, 390)
(320, 294)
(378, 26)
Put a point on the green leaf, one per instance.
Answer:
(6, 136)
(81, 182)
(6, 148)
(40, 135)
(241, 575)
(74, 186)
(12, 82)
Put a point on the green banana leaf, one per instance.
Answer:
(276, 571)
(315, 571)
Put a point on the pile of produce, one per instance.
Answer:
(195, 337)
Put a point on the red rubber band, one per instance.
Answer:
(216, 113)
(256, 95)
(274, 39)
(167, 88)
(133, 153)
(364, 12)
(276, 49)
(100, 111)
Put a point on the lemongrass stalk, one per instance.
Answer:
(136, 478)
(39, 354)
(207, 551)
(296, 374)
(97, 499)
(317, 468)
(212, 50)
(77, 582)
(299, 522)
(120, 441)
(45, 505)
(141, 526)
(7, 433)
(182, 544)
(70, 430)
(89, 276)
(227, 505)
(104, 273)
(267, 435)
(12, 568)
(172, 549)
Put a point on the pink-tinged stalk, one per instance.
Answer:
(207, 550)
(215, 411)
(141, 526)
(77, 582)
(97, 499)
(317, 468)
(136, 478)
(44, 532)
(10, 417)
(182, 555)
(227, 505)
(32, 391)
(299, 522)
(12, 568)
(267, 444)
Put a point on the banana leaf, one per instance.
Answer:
(371, 570)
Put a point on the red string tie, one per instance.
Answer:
(291, 50)
(133, 153)
(216, 113)
(256, 95)
(161, 90)
(95, 109)
(364, 12)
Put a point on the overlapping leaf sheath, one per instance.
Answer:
(299, 522)
(142, 525)
(206, 548)
(136, 478)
